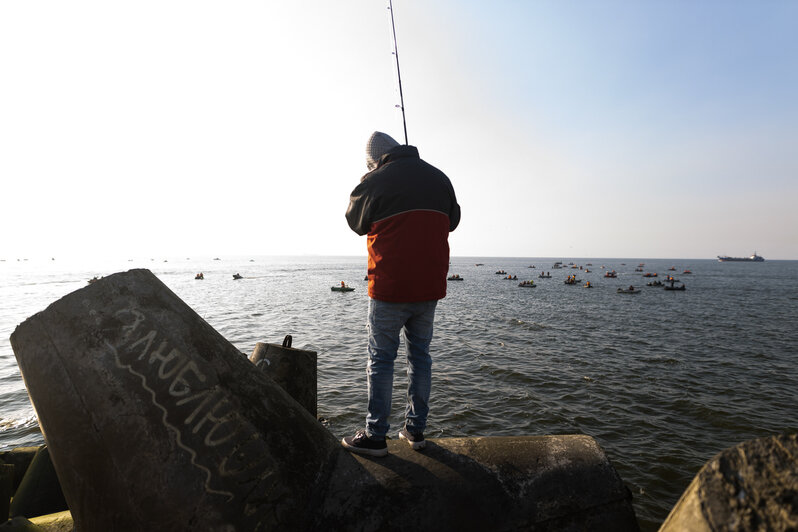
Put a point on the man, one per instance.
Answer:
(407, 208)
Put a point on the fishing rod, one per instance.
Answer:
(398, 74)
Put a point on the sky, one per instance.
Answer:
(650, 129)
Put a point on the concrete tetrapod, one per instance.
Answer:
(155, 422)
(749, 487)
(293, 369)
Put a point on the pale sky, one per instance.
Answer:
(569, 129)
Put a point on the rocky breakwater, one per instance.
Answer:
(154, 421)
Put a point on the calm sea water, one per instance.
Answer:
(662, 380)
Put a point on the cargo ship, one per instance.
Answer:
(752, 258)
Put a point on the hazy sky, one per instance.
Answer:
(569, 129)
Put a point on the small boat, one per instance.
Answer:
(686, 272)
(630, 290)
(511, 278)
(672, 269)
(649, 275)
(611, 274)
(479, 264)
(587, 285)
(455, 277)
(531, 266)
(342, 289)
(237, 276)
(200, 276)
(501, 272)
(672, 286)
(527, 284)
(544, 276)
(572, 280)
(654, 283)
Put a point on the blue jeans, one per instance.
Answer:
(386, 321)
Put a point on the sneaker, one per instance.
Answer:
(360, 443)
(415, 439)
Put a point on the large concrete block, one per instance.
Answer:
(749, 487)
(156, 422)
(542, 483)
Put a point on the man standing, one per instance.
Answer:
(407, 208)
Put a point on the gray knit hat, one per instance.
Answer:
(378, 145)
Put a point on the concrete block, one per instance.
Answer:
(20, 457)
(750, 487)
(57, 522)
(19, 524)
(293, 369)
(156, 422)
(39, 493)
(556, 483)
(6, 481)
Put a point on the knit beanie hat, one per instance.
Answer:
(378, 145)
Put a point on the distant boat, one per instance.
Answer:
(237, 276)
(752, 258)
(342, 289)
(630, 290)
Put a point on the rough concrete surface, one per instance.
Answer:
(750, 487)
(505, 483)
(155, 422)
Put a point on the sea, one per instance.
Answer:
(663, 380)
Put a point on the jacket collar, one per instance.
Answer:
(400, 152)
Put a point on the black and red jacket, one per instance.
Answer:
(407, 208)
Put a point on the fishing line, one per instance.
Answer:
(398, 74)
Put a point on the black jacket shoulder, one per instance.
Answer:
(401, 182)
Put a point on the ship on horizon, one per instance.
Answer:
(752, 258)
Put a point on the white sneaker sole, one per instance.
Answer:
(361, 450)
(416, 445)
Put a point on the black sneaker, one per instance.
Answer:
(415, 439)
(360, 443)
